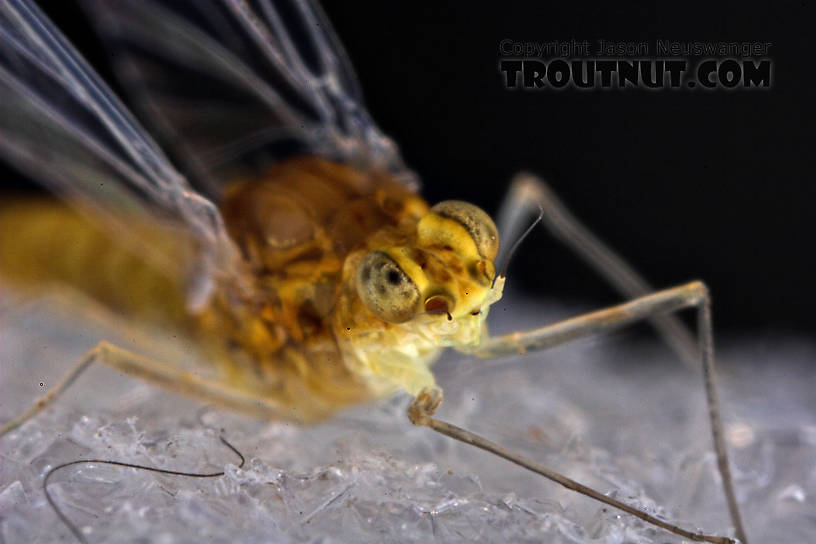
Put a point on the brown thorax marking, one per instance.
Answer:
(295, 228)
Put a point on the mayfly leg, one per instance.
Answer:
(158, 373)
(691, 295)
(529, 195)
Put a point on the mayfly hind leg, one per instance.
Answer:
(691, 295)
(528, 195)
(155, 372)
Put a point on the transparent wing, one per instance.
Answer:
(231, 83)
(59, 122)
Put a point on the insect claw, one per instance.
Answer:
(424, 406)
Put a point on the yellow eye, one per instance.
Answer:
(475, 221)
(385, 289)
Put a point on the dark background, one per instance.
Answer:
(716, 185)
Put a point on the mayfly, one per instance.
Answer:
(295, 249)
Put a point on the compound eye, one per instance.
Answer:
(385, 289)
(478, 224)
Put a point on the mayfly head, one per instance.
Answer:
(442, 276)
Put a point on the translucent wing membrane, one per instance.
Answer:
(59, 122)
(234, 84)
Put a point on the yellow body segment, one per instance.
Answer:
(44, 243)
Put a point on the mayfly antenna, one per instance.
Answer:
(512, 251)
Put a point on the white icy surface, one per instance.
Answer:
(613, 413)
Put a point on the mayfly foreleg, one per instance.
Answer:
(420, 413)
(691, 295)
(158, 373)
(530, 195)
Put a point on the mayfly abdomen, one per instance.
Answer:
(45, 244)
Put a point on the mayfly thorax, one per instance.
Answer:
(304, 332)
(295, 250)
